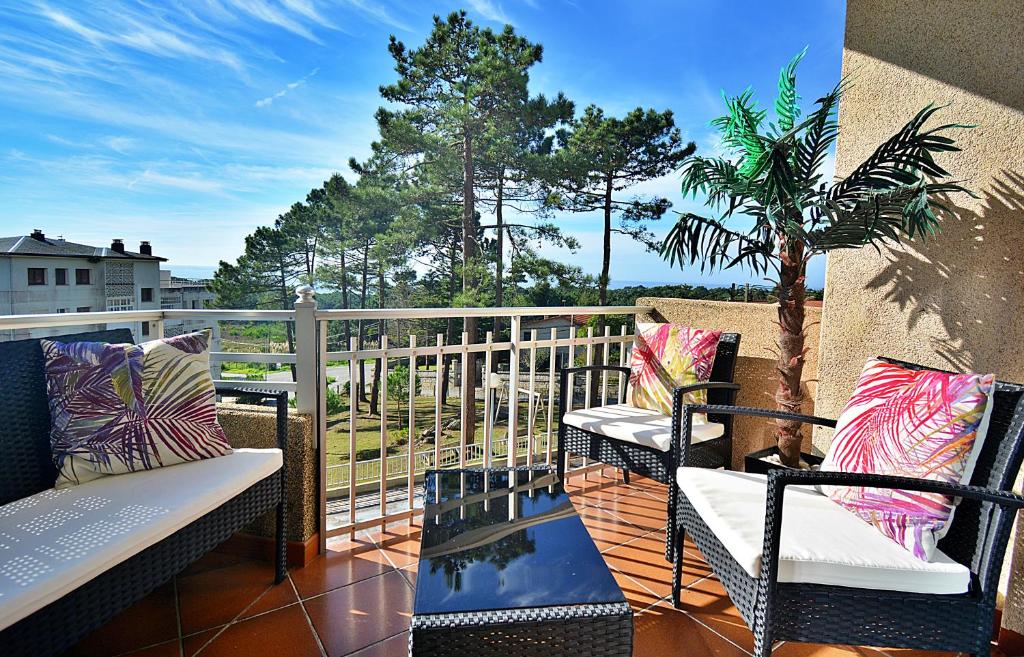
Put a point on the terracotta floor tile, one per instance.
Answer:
(396, 646)
(212, 561)
(345, 562)
(215, 597)
(353, 617)
(277, 596)
(708, 602)
(640, 510)
(149, 621)
(665, 632)
(644, 560)
(401, 544)
(282, 632)
(637, 595)
(167, 649)
(606, 530)
(601, 494)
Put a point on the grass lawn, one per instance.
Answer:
(368, 429)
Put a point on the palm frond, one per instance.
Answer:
(820, 135)
(901, 160)
(787, 109)
(739, 130)
(696, 238)
(883, 216)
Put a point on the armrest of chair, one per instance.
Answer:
(282, 407)
(682, 420)
(779, 479)
(563, 384)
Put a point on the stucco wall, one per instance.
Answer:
(757, 323)
(256, 426)
(956, 301)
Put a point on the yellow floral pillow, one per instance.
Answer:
(666, 356)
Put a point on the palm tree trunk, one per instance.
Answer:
(789, 395)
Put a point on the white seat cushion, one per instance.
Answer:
(637, 425)
(822, 543)
(54, 541)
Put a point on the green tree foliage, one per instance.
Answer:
(774, 183)
(603, 157)
(455, 89)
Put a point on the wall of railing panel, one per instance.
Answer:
(371, 473)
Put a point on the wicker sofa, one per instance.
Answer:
(801, 568)
(72, 558)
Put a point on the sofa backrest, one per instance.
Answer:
(724, 367)
(26, 466)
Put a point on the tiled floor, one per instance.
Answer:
(357, 599)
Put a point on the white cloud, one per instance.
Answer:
(135, 35)
(269, 100)
(188, 183)
(264, 11)
(490, 10)
(377, 12)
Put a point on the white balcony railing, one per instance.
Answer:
(528, 384)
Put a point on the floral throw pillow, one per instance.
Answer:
(666, 356)
(912, 423)
(118, 408)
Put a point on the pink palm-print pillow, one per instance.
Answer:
(666, 356)
(912, 423)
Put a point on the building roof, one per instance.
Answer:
(27, 245)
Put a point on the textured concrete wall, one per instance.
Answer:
(956, 301)
(757, 323)
(256, 426)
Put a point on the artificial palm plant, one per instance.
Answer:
(774, 210)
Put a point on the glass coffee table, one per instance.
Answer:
(508, 569)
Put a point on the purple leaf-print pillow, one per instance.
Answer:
(118, 408)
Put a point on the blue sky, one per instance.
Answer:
(189, 123)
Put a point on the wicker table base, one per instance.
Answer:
(574, 631)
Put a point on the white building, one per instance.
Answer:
(178, 293)
(45, 275)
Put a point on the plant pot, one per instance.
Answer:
(755, 463)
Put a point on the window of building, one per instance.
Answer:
(36, 276)
(61, 311)
(147, 295)
(145, 328)
(60, 276)
(83, 309)
(83, 277)
(120, 303)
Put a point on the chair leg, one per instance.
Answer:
(560, 464)
(677, 566)
(280, 546)
(625, 476)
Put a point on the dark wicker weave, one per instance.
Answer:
(600, 630)
(61, 624)
(647, 461)
(817, 613)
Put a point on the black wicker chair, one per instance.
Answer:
(649, 461)
(818, 613)
(26, 468)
